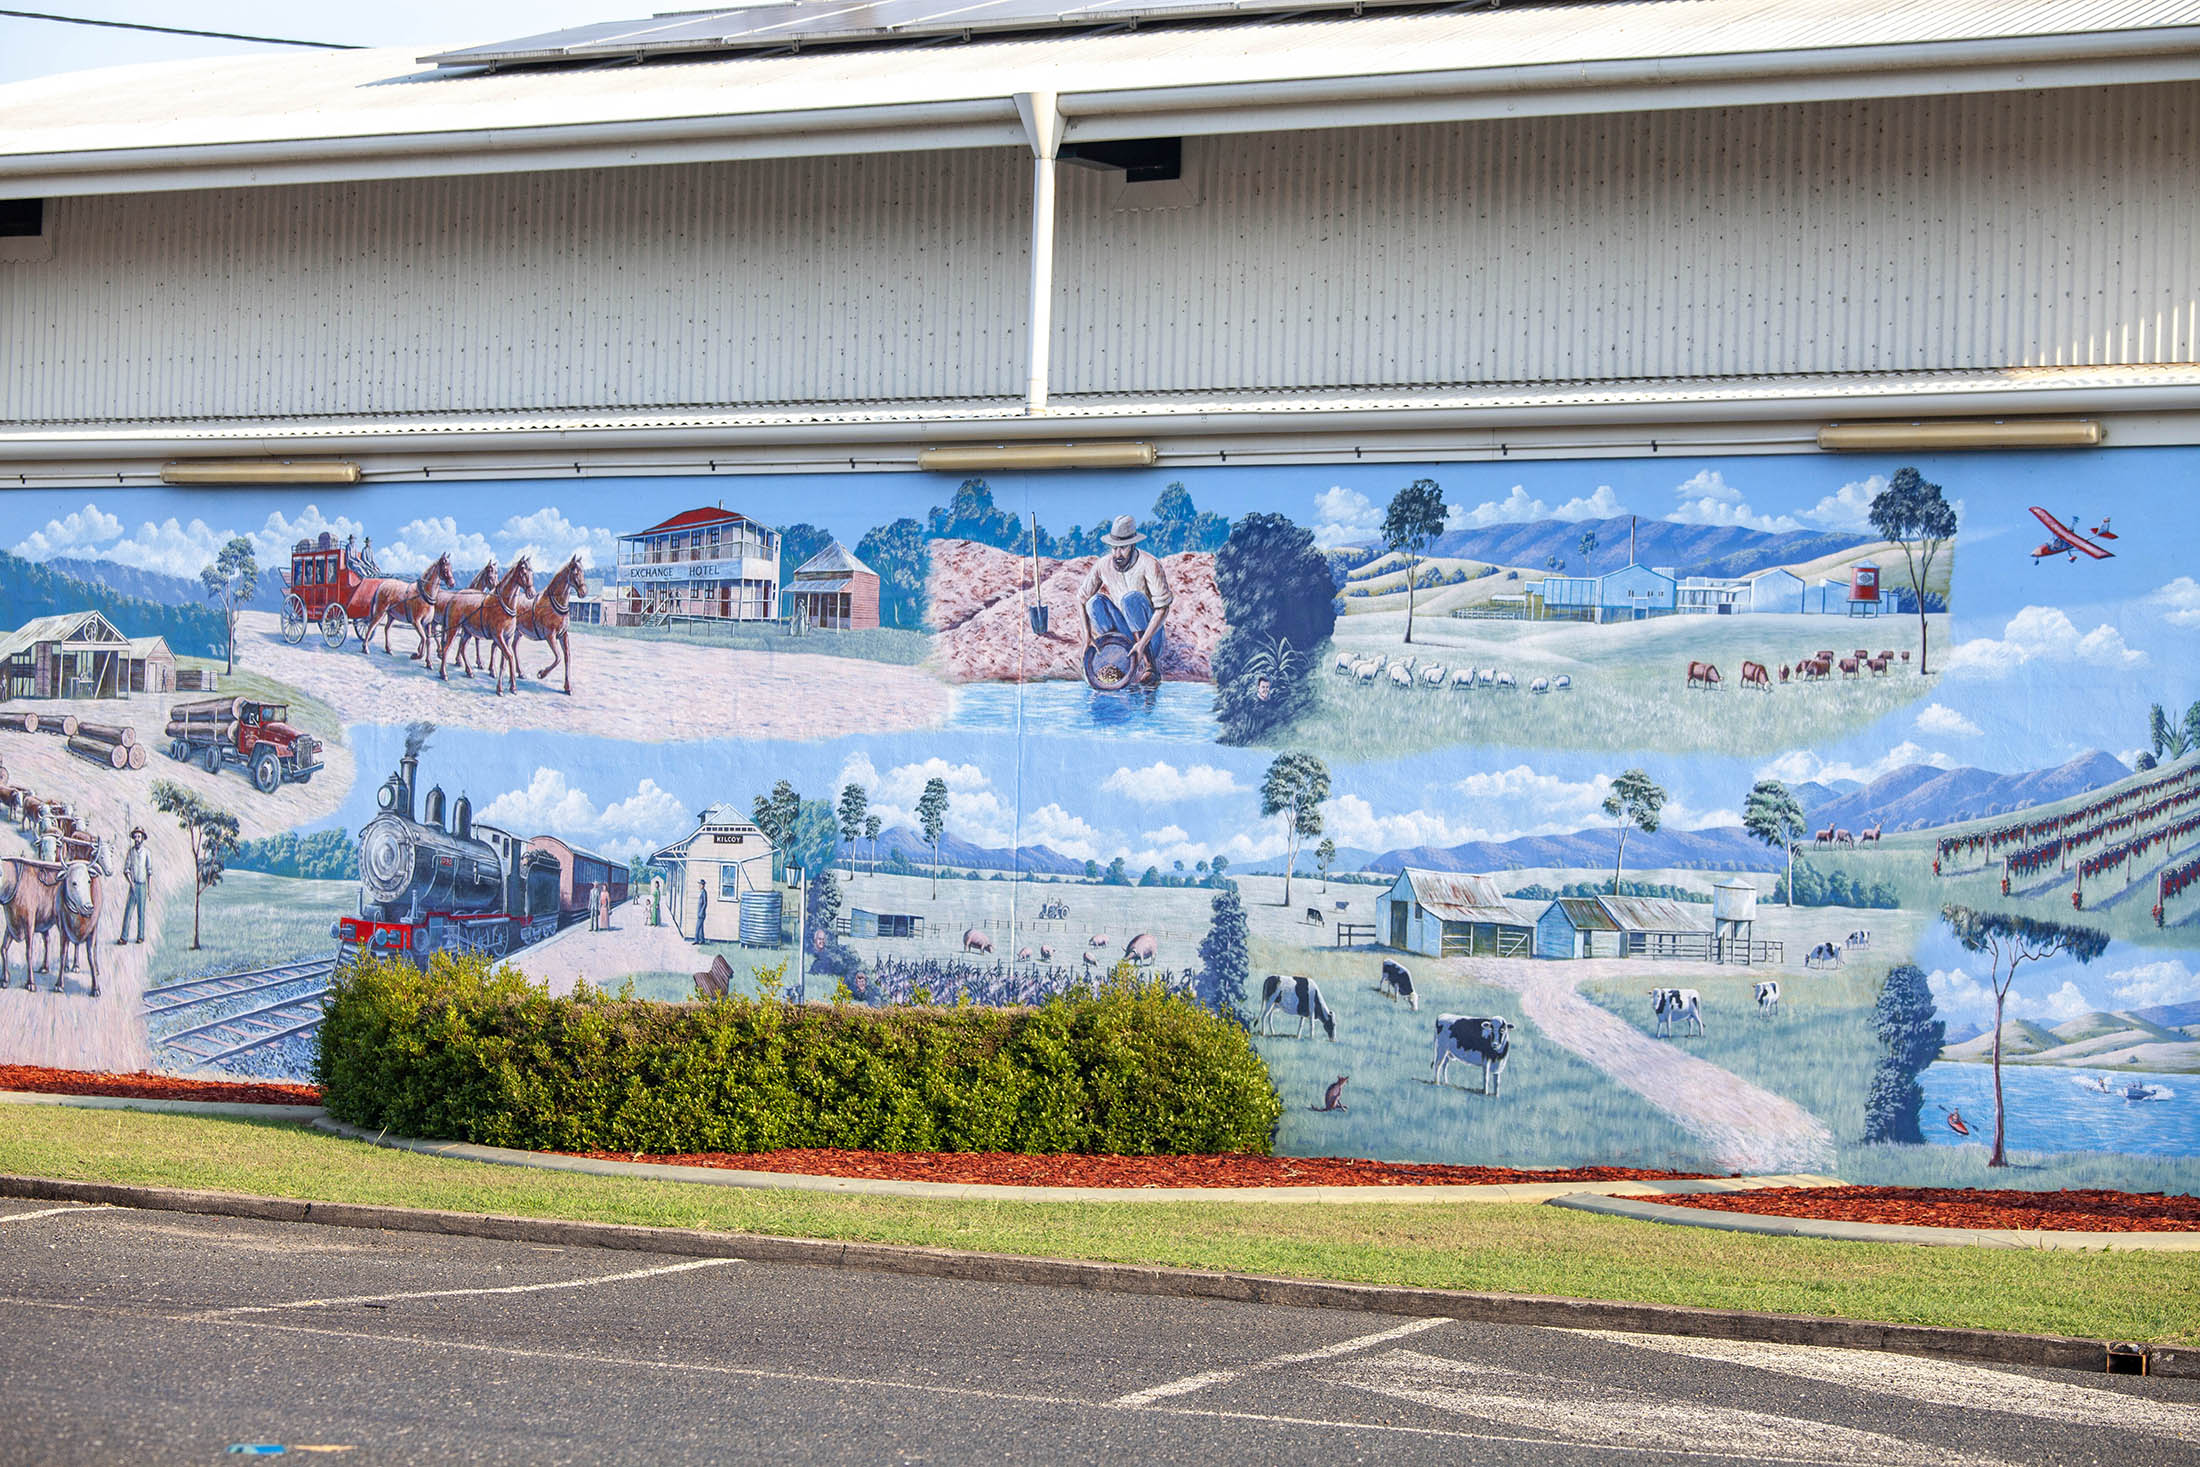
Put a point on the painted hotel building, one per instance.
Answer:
(703, 563)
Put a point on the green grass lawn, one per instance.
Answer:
(1514, 1248)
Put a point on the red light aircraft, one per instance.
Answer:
(2072, 543)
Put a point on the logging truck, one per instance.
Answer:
(253, 736)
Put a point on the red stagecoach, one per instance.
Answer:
(330, 585)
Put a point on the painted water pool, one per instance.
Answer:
(1183, 711)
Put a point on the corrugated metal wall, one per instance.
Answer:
(901, 275)
(1985, 231)
(1962, 232)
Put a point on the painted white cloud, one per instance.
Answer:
(1707, 499)
(2042, 634)
(1954, 989)
(1847, 508)
(1520, 507)
(1801, 766)
(2149, 984)
(1345, 517)
(81, 532)
(551, 805)
(2178, 602)
(178, 548)
(1939, 718)
(1164, 784)
(975, 812)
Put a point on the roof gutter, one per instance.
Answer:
(1738, 79)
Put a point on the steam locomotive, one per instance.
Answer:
(428, 886)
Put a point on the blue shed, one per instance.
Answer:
(1442, 914)
(1635, 592)
(1776, 590)
(1576, 927)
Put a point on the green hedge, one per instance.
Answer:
(464, 1053)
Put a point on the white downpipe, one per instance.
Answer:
(1043, 126)
(1042, 282)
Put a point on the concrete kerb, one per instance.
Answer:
(1994, 1346)
(983, 1192)
(1865, 1232)
(231, 1109)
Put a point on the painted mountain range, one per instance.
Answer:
(967, 855)
(158, 586)
(1918, 796)
(1691, 550)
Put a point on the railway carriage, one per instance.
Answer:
(428, 884)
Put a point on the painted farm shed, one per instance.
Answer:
(1444, 914)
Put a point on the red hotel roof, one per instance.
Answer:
(690, 518)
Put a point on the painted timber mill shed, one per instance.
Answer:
(1052, 237)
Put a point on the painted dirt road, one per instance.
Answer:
(1743, 1126)
(622, 688)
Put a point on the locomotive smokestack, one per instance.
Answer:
(408, 766)
(408, 773)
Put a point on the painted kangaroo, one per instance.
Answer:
(492, 616)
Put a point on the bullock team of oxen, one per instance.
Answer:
(498, 610)
(1411, 672)
(50, 899)
(1818, 667)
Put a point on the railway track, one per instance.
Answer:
(228, 1035)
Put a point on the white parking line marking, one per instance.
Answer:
(1936, 1382)
(439, 1347)
(1581, 1412)
(58, 1211)
(589, 1282)
(1206, 1378)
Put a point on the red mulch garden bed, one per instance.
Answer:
(1017, 1170)
(1965, 1207)
(153, 1087)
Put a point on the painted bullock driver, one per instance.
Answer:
(1125, 593)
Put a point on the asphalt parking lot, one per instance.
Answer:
(146, 1337)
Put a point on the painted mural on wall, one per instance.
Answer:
(1717, 813)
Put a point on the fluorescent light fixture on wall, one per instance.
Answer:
(259, 471)
(975, 458)
(1888, 437)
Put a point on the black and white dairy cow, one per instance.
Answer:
(1299, 997)
(1396, 982)
(1768, 996)
(1683, 1006)
(1474, 1041)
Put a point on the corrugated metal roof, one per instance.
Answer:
(834, 560)
(1587, 914)
(58, 628)
(384, 93)
(1652, 914)
(1862, 392)
(1454, 897)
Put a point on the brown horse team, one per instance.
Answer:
(499, 610)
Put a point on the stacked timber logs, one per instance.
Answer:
(112, 745)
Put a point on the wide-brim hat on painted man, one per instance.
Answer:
(1125, 532)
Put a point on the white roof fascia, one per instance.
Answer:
(2125, 57)
(2019, 63)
